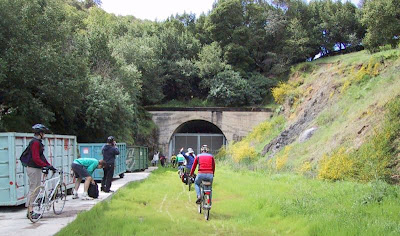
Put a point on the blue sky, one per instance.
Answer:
(159, 9)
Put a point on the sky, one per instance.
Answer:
(160, 9)
(156, 9)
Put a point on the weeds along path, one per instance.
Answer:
(245, 203)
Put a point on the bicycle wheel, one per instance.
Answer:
(207, 214)
(38, 204)
(59, 198)
(206, 208)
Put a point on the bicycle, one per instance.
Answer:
(51, 193)
(205, 196)
(181, 171)
(191, 181)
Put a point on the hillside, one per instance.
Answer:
(338, 119)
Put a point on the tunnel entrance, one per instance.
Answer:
(194, 134)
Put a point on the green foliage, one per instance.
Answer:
(229, 89)
(381, 18)
(374, 158)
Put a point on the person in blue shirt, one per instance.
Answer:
(84, 168)
(189, 156)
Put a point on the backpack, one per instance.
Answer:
(26, 155)
(93, 190)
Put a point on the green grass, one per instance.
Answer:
(361, 104)
(245, 203)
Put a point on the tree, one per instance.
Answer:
(42, 63)
(229, 89)
(382, 20)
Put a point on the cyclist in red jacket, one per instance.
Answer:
(206, 169)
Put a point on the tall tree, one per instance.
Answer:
(382, 20)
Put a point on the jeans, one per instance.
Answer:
(202, 177)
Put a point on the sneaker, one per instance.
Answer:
(75, 196)
(109, 191)
(198, 201)
(86, 197)
(33, 215)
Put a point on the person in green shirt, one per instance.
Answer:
(84, 168)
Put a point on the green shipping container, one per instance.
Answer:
(136, 159)
(59, 150)
(132, 159)
(93, 150)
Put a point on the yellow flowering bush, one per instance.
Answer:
(365, 72)
(305, 167)
(282, 159)
(337, 166)
(242, 151)
(285, 90)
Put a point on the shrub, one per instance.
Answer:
(378, 153)
(305, 167)
(266, 129)
(221, 154)
(363, 74)
(338, 166)
(282, 159)
(242, 151)
(284, 91)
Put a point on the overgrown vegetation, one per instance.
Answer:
(245, 203)
(357, 131)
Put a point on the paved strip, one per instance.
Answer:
(13, 219)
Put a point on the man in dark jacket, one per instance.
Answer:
(35, 165)
(109, 152)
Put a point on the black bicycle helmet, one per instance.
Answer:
(39, 128)
(110, 139)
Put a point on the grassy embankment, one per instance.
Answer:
(364, 91)
(358, 129)
(245, 203)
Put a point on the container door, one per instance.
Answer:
(21, 177)
(5, 184)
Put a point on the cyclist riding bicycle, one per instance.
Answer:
(206, 170)
(180, 159)
(189, 156)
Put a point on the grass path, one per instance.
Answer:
(245, 203)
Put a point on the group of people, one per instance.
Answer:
(158, 157)
(206, 164)
(82, 167)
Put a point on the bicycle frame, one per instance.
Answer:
(205, 195)
(49, 197)
(46, 196)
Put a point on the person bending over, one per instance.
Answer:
(84, 168)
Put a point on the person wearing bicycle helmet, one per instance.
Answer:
(189, 156)
(206, 169)
(109, 151)
(34, 167)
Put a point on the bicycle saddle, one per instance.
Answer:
(206, 183)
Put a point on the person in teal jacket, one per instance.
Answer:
(84, 168)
